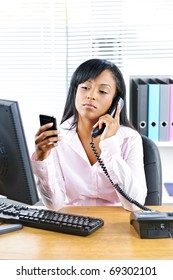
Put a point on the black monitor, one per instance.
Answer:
(17, 181)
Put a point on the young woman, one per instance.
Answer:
(65, 165)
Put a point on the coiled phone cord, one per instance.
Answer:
(116, 186)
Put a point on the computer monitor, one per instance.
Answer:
(17, 181)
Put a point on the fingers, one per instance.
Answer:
(45, 132)
(45, 140)
(44, 128)
(47, 137)
(107, 117)
(112, 124)
(117, 114)
(108, 120)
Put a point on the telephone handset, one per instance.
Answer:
(112, 110)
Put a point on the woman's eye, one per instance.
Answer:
(84, 87)
(103, 92)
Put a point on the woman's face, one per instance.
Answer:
(94, 97)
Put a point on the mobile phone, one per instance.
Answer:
(44, 119)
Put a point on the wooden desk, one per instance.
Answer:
(116, 240)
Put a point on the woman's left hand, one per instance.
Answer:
(112, 124)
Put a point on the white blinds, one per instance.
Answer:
(33, 57)
(119, 30)
(42, 42)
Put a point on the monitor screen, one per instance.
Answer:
(17, 181)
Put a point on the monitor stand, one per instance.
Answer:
(5, 228)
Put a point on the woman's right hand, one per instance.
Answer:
(45, 140)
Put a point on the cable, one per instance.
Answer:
(169, 233)
(116, 186)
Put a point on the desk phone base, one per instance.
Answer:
(153, 224)
(49, 220)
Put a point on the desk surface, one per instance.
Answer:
(116, 240)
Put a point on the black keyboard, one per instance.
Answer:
(49, 220)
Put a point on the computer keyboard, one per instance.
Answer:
(49, 220)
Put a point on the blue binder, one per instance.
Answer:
(164, 110)
(153, 109)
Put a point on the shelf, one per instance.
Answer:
(168, 144)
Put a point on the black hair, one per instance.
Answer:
(91, 69)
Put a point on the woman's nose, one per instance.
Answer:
(91, 95)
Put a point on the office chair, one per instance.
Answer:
(153, 172)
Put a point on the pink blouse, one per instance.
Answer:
(66, 177)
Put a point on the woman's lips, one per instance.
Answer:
(89, 105)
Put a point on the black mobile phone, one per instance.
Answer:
(44, 119)
(112, 110)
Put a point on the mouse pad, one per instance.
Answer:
(169, 188)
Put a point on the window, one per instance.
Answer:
(42, 42)
(33, 58)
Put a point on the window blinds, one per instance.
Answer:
(33, 58)
(42, 42)
(119, 30)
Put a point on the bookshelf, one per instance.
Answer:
(153, 68)
(168, 144)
